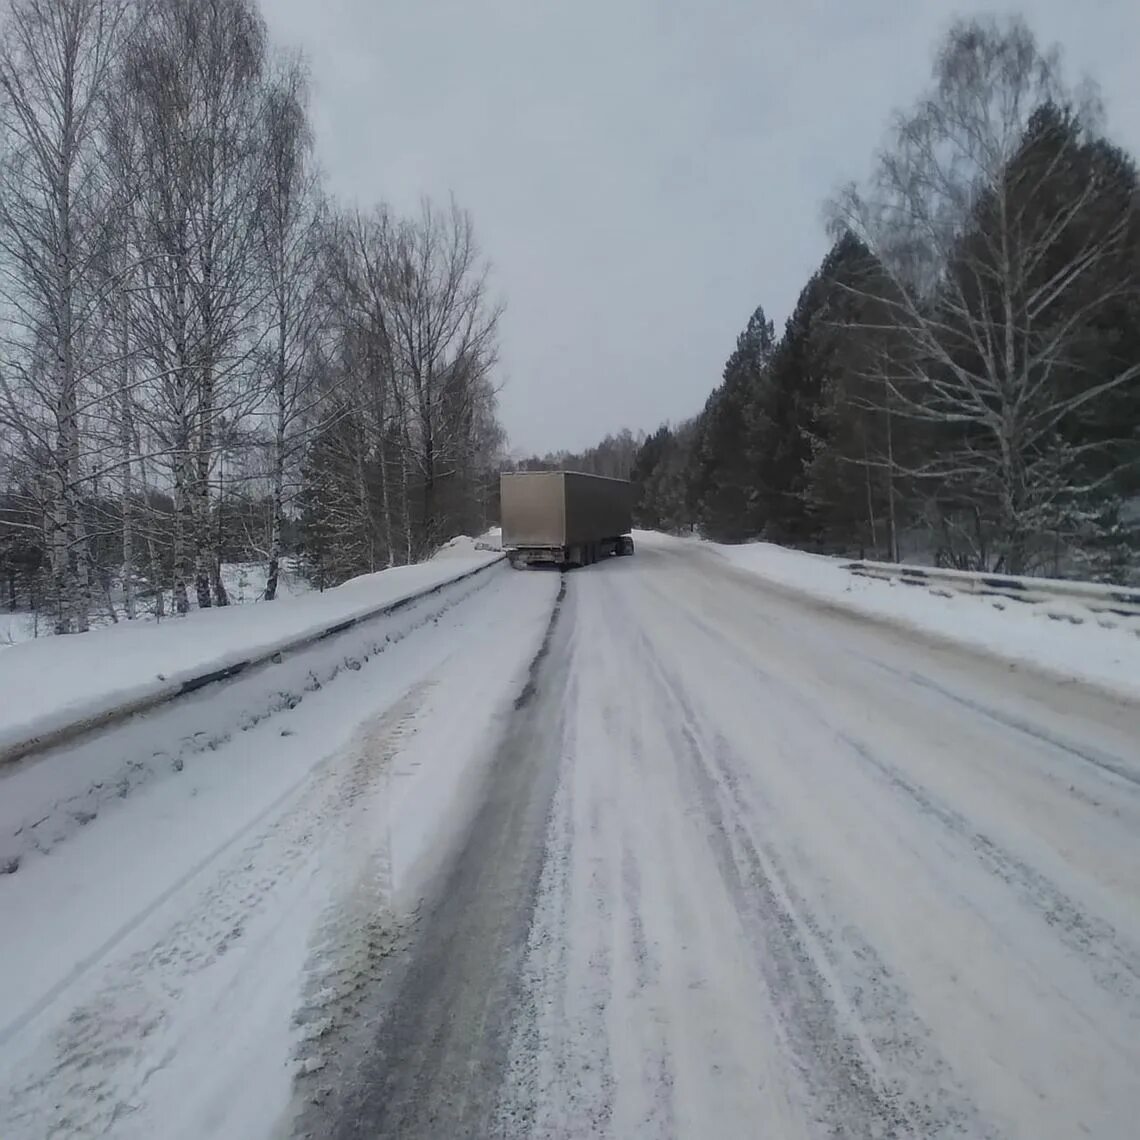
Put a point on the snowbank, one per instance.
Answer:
(1031, 634)
(244, 582)
(54, 683)
(16, 627)
(464, 546)
(195, 944)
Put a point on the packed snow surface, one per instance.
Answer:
(801, 870)
(170, 964)
(659, 848)
(1061, 637)
(53, 682)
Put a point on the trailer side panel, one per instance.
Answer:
(596, 508)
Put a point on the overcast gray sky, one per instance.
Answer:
(642, 173)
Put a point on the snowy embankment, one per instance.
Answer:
(1053, 637)
(244, 582)
(53, 685)
(206, 891)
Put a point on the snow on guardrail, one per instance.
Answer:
(1103, 603)
(57, 688)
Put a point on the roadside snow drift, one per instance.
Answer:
(47, 799)
(52, 684)
(1050, 637)
(195, 944)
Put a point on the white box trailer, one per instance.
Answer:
(564, 518)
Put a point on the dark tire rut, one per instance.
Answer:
(435, 1056)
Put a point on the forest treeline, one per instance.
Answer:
(203, 357)
(206, 358)
(960, 377)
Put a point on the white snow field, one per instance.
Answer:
(47, 685)
(1057, 637)
(816, 874)
(156, 939)
(244, 582)
(658, 848)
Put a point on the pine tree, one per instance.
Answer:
(650, 456)
(724, 480)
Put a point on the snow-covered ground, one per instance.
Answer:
(658, 848)
(16, 627)
(245, 585)
(50, 682)
(464, 546)
(806, 873)
(244, 582)
(753, 865)
(1040, 635)
(173, 958)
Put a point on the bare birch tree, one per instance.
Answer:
(195, 75)
(56, 57)
(374, 383)
(121, 148)
(443, 326)
(295, 258)
(228, 286)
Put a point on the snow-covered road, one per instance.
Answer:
(725, 863)
(800, 877)
(204, 891)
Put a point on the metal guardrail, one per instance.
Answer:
(63, 734)
(1118, 601)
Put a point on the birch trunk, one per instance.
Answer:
(126, 441)
(280, 380)
(155, 561)
(892, 526)
(385, 501)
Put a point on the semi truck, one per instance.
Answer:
(564, 518)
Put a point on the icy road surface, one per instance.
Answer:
(654, 849)
(749, 868)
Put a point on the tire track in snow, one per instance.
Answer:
(1112, 767)
(898, 1047)
(433, 1050)
(535, 1060)
(596, 1004)
(657, 1062)
(596, 1074)
(359, 931)
(1114, 964)
(559, 1070)
(157, 745)
(101, 1057)
(825, 1023)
